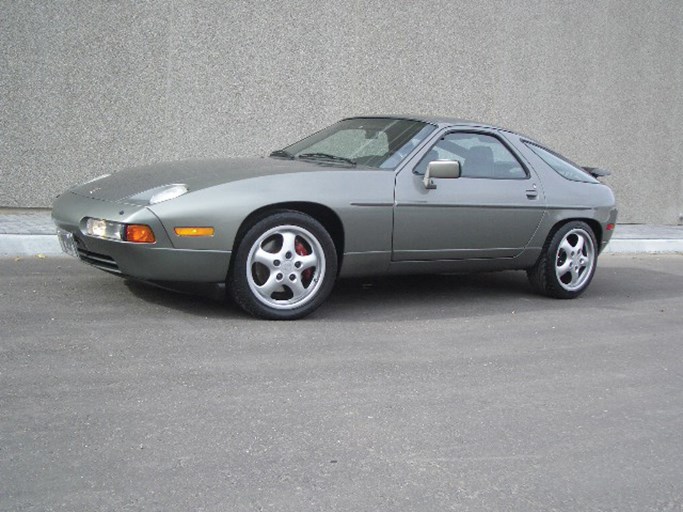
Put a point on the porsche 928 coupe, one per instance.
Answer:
(367, 196)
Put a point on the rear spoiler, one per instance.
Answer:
(596, 172)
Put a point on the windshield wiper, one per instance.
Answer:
(282, 153)
(327, 156)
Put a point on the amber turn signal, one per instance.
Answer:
(139, 233)
(194, 231)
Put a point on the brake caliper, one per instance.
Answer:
(301, 250)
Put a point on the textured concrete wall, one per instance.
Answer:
(92, 87)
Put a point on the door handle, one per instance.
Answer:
(532, 193)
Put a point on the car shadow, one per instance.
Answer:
(208, 300)
(352, 298)
(402, 298)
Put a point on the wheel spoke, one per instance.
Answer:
(566, 246)
(264, 257)
(297, 288)
(575, 276)
(308, 261)
(562, 269)
(288, 239)
(580, 243)
(270, 286)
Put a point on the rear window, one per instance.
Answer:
(561, 165)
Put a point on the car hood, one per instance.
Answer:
(195, 174)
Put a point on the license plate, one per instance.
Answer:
(66, 240)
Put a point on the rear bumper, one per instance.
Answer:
(607, 233)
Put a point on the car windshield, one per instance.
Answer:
(368, 142)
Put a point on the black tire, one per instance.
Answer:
(284, 268)
(567, 262)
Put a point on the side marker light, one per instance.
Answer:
(194, 231)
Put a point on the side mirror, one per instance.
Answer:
(440, 169)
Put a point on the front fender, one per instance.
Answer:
(361, 198)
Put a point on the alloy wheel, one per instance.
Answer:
(575, 259)
(285, 267)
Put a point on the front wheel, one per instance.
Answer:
(284, 267)
(567, 263)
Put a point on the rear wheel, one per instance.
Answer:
(284, 267)
(567, 264)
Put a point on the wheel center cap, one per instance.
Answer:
(287, 266)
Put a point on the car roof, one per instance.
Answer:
(443, 122)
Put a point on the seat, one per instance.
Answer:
(479, 163)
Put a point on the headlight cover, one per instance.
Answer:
(158, 194)
(96, 179)
(101, 228)
(170, 192)
(112, 230)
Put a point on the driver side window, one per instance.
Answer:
(480, 156)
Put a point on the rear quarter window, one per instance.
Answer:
(560, 165)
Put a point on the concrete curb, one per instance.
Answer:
(28, 245)
(645, 245)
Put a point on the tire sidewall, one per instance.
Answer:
(237, 279)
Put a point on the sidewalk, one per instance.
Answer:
(27, 232)
(31, 232)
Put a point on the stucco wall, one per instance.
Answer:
(92, 87)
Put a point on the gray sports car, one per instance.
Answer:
(365, 196)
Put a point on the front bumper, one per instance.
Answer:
(160, 261)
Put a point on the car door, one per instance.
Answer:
(491, 211)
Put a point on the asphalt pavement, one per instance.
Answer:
(405, 394)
